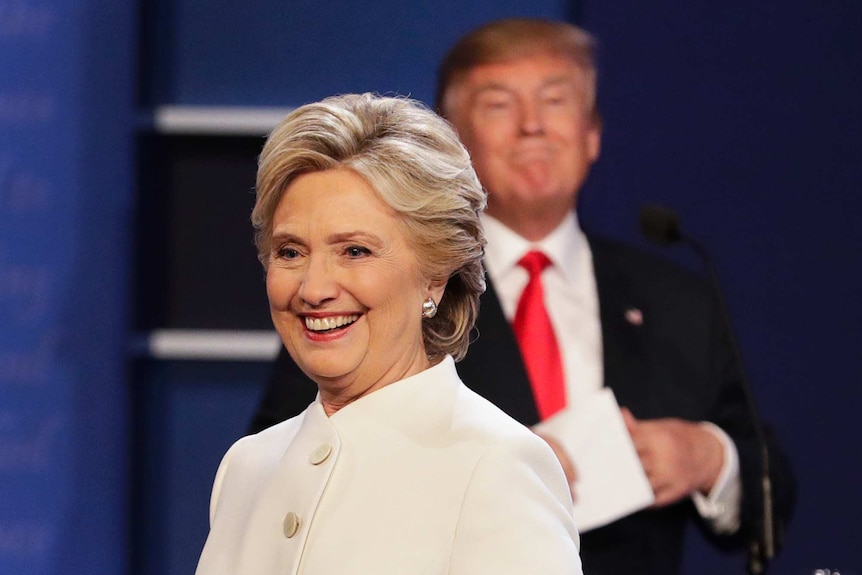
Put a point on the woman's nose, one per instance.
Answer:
(318, 283)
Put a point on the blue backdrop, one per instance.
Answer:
(747, 117)
(66, 100)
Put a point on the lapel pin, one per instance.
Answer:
(634, 316)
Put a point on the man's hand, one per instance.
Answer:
(678, 456)
(568, 466)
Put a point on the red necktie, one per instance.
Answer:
(537, 340)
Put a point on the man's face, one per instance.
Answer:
(531, 135)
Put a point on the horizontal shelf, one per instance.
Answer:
(217, 120)
(214, 345)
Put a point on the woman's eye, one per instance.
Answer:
(287, 253)
(357, 251)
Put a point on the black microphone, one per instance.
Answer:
(660, 224)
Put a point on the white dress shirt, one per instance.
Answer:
(572, 301)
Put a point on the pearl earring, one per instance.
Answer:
(429, 308)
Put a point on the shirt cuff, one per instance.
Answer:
(721, 508)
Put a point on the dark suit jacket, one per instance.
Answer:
(677, 363)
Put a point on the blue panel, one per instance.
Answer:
(275, 53)
(187, 415)
(65, 186)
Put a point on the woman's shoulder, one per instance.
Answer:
(516, 489)
(270, 442)
(490, 425)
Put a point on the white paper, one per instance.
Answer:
(610, 480)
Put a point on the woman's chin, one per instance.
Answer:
(329, 369)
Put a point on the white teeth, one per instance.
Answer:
(325, 323)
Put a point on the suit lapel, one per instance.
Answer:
(625, 327)
(493, 367)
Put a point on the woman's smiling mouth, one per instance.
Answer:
(321, 324)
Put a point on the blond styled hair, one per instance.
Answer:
(414, 161)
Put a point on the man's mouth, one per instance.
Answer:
(321, 324)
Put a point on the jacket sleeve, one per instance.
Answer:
(218, 482)
(516, 516)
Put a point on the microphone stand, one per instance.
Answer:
(762, 549)
(661, 225)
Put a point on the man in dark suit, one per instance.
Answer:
(522, 95)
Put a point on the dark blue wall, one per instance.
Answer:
(744, 116)
(747, 117)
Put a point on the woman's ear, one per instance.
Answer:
(436, 290)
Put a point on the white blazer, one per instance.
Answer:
(422, 476)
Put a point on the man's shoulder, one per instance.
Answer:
(614, 258)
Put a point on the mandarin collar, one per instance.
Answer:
(393, 400)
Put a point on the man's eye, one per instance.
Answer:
(556, 98)
(496, 104)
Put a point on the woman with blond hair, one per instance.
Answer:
(367, 224)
